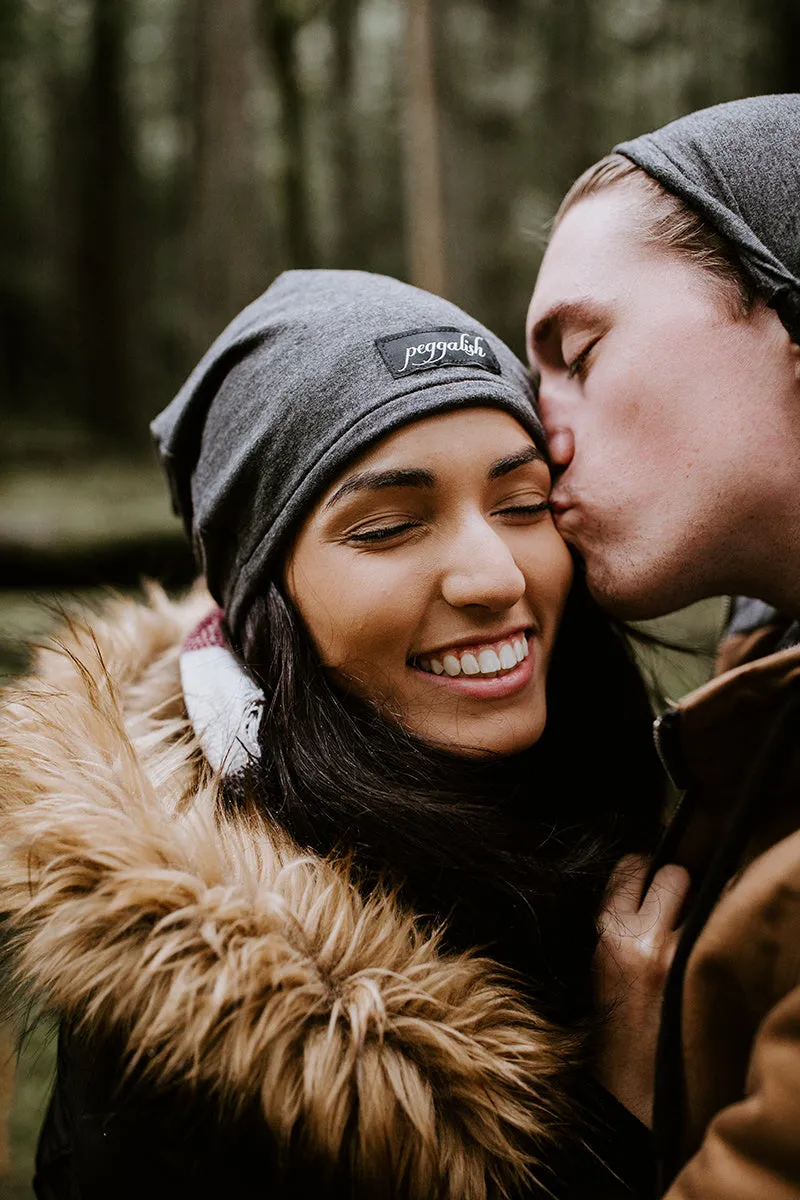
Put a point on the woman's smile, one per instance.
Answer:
(486, 669)
(482, 657)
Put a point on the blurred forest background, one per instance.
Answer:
(162, 160)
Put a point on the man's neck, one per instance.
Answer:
(775, 574)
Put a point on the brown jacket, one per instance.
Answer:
(727, 1112)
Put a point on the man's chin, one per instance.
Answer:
(622, 594)
(611, 582)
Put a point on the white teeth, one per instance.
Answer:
(508, 658)
(488, 662)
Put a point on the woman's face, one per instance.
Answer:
(432, 580)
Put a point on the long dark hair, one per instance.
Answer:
(512, 852)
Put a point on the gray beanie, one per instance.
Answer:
(320, 366)
(738, 165)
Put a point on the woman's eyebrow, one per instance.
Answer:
(504, 466)
(373, 481)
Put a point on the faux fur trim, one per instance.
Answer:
(236, 963)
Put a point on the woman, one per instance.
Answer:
(256, 893)
(682, 359)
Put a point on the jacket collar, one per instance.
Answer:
(706, 736)
(707, 742)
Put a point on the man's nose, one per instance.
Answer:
(560, 439)
(562, 447)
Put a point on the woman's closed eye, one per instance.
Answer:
(524, 512)
(527, 500)
(398, 531)
(381, 533)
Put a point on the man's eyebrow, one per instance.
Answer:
(373, 481)
(504, 466)
(562, 314)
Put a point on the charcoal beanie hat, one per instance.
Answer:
(320, 366)
(738, 165)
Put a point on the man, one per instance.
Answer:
(665, 327)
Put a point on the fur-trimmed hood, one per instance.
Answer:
(230, 960)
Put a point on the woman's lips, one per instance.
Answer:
(477, 658)
(486, 687)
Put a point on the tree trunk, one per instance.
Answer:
(786, 24)
(14, 234)
(349, 229)
(571, 108)
(224, 223)
(279, 28)
(423, 184)
(107, 181)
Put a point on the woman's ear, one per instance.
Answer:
(289, 581)
(796, 361)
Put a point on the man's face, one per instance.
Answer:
(663, 408)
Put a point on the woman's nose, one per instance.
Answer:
(482, 571)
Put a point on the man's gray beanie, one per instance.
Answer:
(316, 369)
(738, 165)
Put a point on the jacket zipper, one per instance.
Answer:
(665, 736)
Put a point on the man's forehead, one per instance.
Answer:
(581, 264)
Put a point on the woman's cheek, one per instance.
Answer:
(320, 587)
(549, 571)
(566, 572)
(372, 607)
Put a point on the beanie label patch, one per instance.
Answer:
(430, 349)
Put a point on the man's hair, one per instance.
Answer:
(668, 223)
(513, 853)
